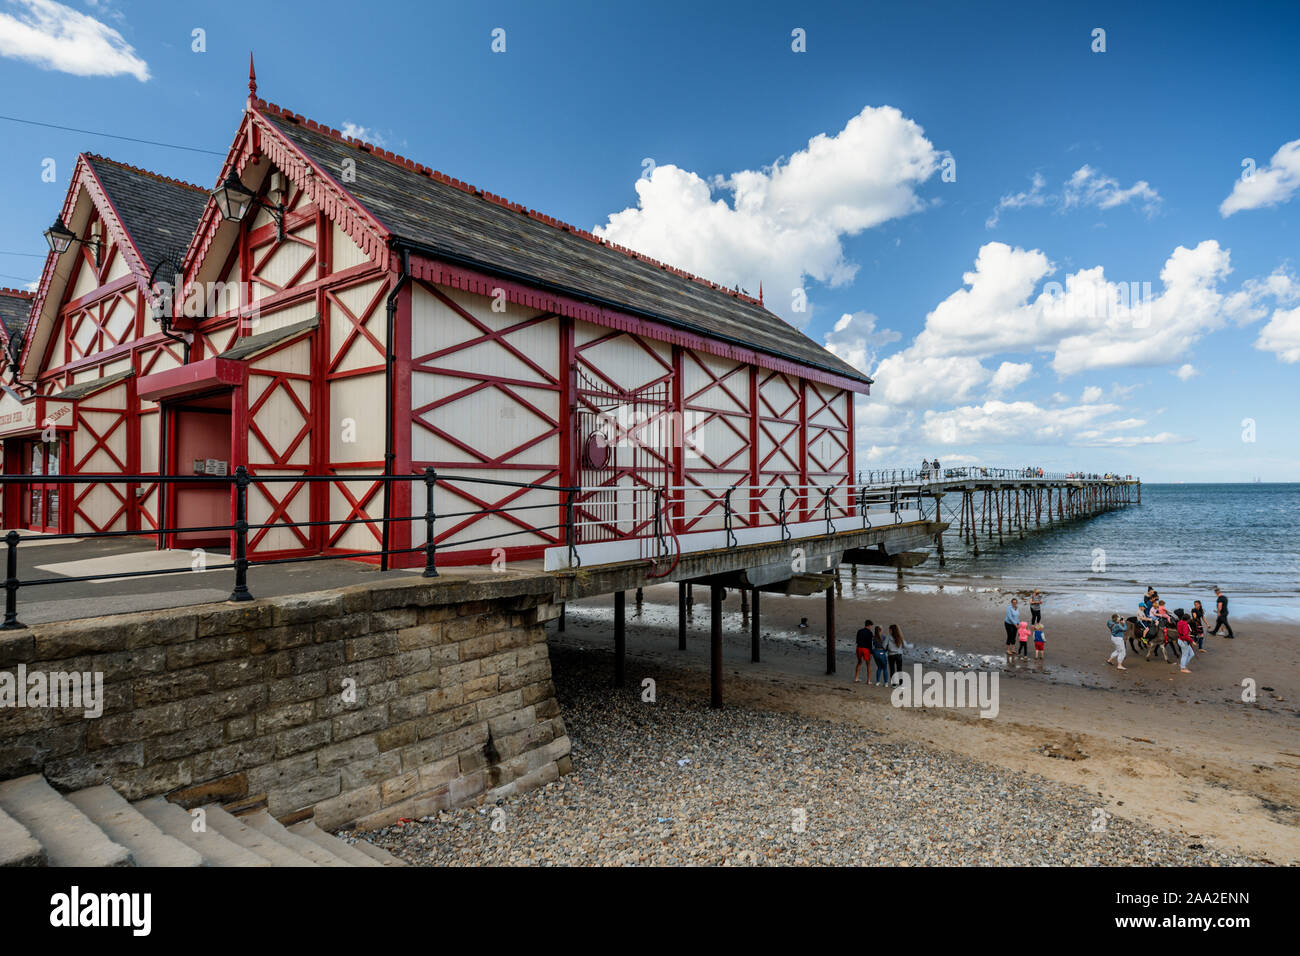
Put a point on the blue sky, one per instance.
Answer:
(1067, 169)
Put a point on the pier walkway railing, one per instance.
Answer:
(596, 525)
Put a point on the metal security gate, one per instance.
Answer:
(624, 444)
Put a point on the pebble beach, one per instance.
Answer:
(673, 782)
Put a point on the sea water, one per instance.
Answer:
(1183, 540)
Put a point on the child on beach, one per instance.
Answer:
(1117, 639)
(1022, 634)
(1039, 642)
(1035, 607)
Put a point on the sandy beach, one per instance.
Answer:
(807, 769)
(1179, 752)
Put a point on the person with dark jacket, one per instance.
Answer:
(1198, 625)
(864, 652)
(1221, 609)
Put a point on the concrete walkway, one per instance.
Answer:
(61, 601)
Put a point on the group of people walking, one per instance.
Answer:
(1153, 620)
(1020, 632)
(885, 651)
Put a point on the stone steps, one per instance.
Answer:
(17, 846)
(215, 849)
(70, 837)
(98, 827)
(127, 826)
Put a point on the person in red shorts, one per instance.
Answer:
(864, 652)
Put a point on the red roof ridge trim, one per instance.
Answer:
(146, 172)
(273, 110)
(20, 293)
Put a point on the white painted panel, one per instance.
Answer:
(260, 508)
(711, 394)
(150, 445)
(270, 321)
(435, 326)
(282, 266)
(345, 252)
(362, 353)
(357, 418)
(358, 537)
(624, 361)
(117, 270)
(99, 505)
(84, 336)
(454, 497)
(291, 358)
(86, 282)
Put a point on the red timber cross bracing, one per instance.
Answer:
(720, 447)
(523, 351)
(485, 402)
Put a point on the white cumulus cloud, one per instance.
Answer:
(1282, 335)
(1009, 375)
(783, 223)
(1091, 187)
(1085, 187)
(57, 37)
(855, 339)
(1269, 185)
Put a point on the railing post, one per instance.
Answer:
(430, 545)
(241, 592)
(11, 622)
(726, 504)
(570, 530)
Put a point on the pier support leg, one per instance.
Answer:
(681, 617)
(620, 636)
(559, 625)
(715, 646)
(744, 600)
(640, 596)
(938, 545)
(830, 630)
(753, 629)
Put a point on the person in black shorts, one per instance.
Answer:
(1221, 609)
(865, 635)
(1011, 622)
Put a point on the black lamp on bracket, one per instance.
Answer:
(61, 238)
(235, 201)
(162, 297)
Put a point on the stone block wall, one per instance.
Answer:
(363, 704)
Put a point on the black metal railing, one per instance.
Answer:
(240, 481)
(891, 476)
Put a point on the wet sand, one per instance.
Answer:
(1181, 752)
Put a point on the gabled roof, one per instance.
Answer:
(149, 217)
(399, 200)
(159, 213)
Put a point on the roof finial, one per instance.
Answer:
(252, 78)
(760, 291)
